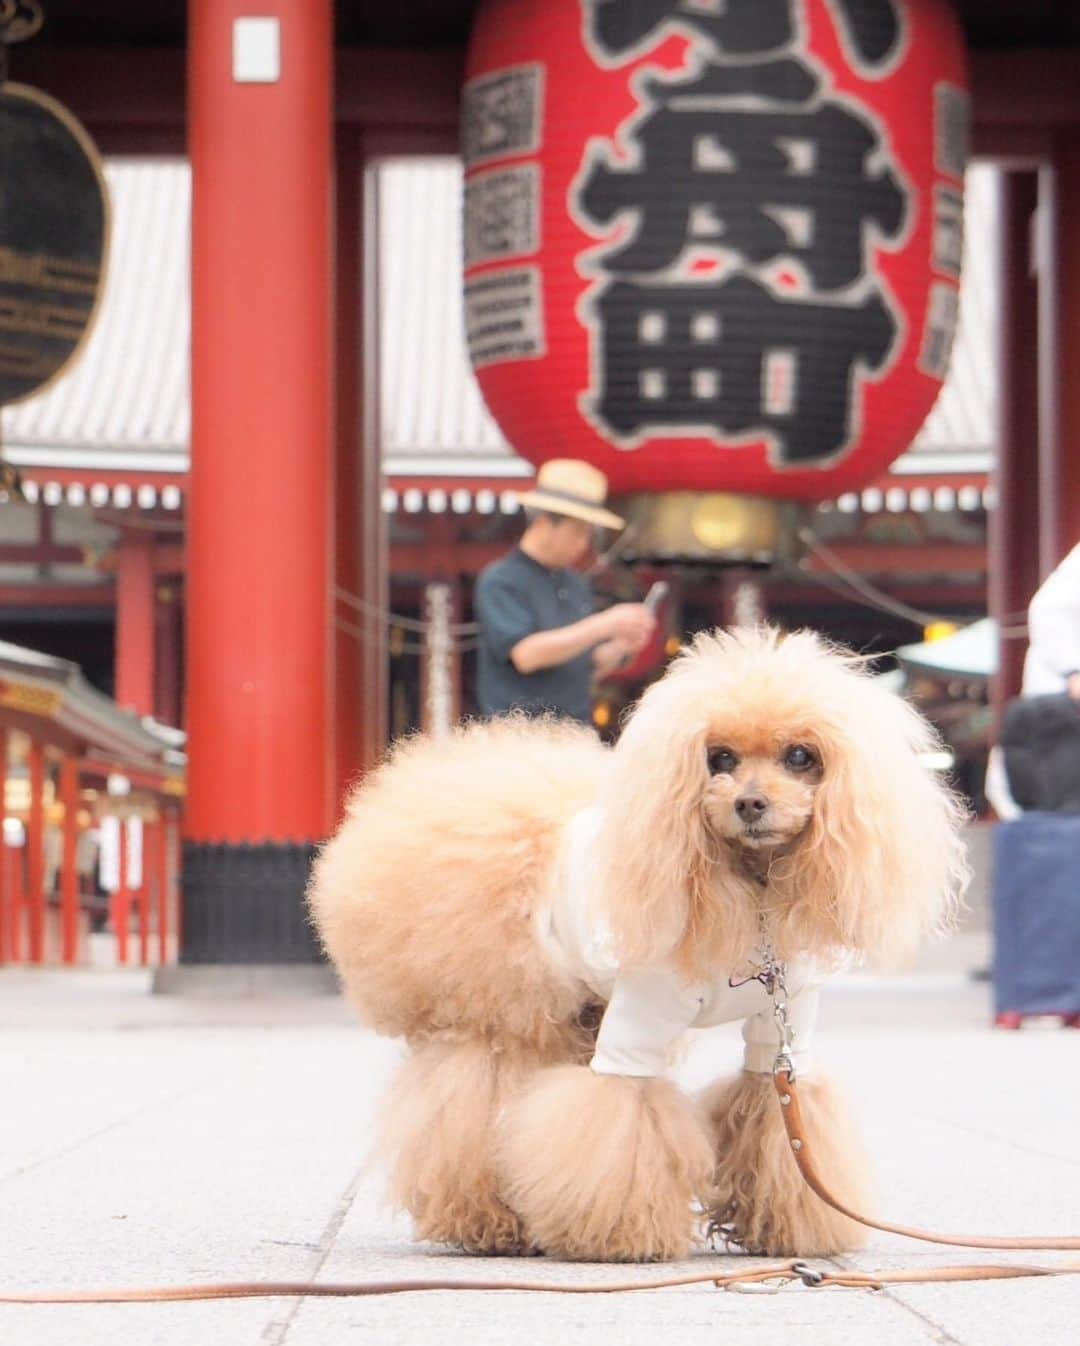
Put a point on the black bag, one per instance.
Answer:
(1040, 737)
(1036, 893)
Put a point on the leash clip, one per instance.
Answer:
(783, 1065)
(810, 1276)
(774, 978)
(795, 1277)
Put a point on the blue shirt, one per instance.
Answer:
(514, 598)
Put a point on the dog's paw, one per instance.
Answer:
(603, 1167)
(760, 1201)
(477, 1222)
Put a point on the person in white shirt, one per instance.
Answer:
(1052, 665)
(1053, 657)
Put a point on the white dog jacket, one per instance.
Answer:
(649, 1008)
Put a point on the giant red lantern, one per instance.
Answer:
(714, 246)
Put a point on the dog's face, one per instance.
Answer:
(760, 794)
(774, 758)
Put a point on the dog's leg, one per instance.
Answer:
(760, 1199)
(604, 1167)
(437, 1132)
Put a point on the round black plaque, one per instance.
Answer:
(54, 225)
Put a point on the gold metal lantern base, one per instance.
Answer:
(696, 526)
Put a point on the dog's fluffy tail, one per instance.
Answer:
(422, 897)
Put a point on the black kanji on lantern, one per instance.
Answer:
(736, 359)
(616, 28)
(871, 30)
(748, 159)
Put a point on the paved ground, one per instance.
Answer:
(145, 1139)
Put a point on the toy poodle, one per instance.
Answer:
(541, 918)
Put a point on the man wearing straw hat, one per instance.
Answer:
(541, 643)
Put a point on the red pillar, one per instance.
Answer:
(259, 527)
(35, 852)
(135, 623)
(1059, 354)
(362, 693)
(259, 522)
(69, 875)
(1014, 521)
(360, 661)
(349, 660)
(144, 882)
(16, 880)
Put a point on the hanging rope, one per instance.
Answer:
(399, 646)
(396, 618)
(878, 600)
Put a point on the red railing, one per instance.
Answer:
(39, 926)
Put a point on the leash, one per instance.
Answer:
(772, 975)
(762, 1279)
(759, 1279)
(784, 1080)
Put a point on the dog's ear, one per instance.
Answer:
(883, 863)
(654, 851)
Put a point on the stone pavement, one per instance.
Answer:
(149, 1140)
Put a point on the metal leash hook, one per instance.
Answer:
(809, 1276)
(773, 976)
(797, 1276)
(783, 1064)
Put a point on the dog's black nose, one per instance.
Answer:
(751, 807)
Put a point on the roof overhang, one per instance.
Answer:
(55, 692)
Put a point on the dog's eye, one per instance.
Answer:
(799, 758)
(722, 761)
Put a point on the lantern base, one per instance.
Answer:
(710, 526)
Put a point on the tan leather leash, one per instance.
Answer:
(784, 1272)
(356, 1289)
(773, 976)
(786, 1089)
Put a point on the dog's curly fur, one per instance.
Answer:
(754, 1200)
(499, 1136)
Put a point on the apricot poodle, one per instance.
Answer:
(541, 918)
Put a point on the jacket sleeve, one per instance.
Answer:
(648, 1012)
(762, 1037)
(1054, 618)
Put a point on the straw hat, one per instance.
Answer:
(569, 486)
